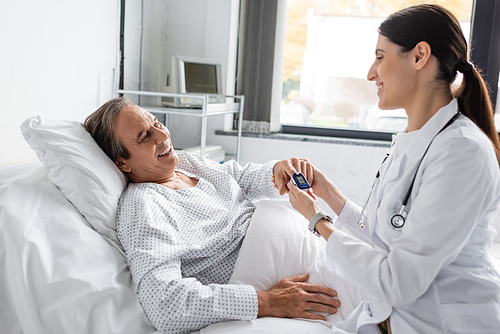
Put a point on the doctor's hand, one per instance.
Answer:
(326, 190)
(283, 171)
(302, 201)
(292, 298)
(321, 185)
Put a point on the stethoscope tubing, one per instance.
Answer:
(398, 220)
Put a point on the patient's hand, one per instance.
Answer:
(283, 171)
(292, 298)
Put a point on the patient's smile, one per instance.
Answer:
(167, 150)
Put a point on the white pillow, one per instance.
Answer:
(278, 244)
(80, 169)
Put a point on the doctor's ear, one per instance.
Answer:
(421, 53)
(122, 165)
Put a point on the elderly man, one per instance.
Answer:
(181, 222)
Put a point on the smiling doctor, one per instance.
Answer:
(420, 243)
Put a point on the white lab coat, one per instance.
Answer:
(434, 274)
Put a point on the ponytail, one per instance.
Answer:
(474, 102)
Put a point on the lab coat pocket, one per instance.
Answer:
(471, 318)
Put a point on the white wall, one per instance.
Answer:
(57, 60)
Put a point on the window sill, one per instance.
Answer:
(308, 138)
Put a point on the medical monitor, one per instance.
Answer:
(199, 76)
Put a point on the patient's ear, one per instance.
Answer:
(122, 165)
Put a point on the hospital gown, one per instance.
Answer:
(181, 245)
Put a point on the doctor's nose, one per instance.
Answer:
(372, 73)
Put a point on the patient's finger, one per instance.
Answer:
(306, 168)
(283, 170)
(312, 316)
(310, 173)
(318, 288)
(280, 184)
(299, 278)
(324, 300)
(297, 164)
(273, 180)
(317, 307)
(314, 289)
(282, 187)
(303, 164)
(291, 166)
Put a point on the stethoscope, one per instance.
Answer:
(398, 217)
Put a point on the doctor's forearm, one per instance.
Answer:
(334, 198)
(325, 228)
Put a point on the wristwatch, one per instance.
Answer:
(315, 219)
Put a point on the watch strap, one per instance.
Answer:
(315, 219)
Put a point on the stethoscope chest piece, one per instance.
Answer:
(397, 221)
(398, 218)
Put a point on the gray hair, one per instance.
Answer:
(100, 126)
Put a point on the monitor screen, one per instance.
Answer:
(200, 78)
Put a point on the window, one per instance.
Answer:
(329, 49)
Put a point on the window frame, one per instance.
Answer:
(485, 34)
(485, 37)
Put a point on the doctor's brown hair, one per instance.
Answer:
(439, 27)
(100, 126)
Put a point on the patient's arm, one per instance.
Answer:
(181, 305)
(255, 180)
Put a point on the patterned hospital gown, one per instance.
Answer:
(181, 245)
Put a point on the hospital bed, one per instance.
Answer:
(62, 269)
